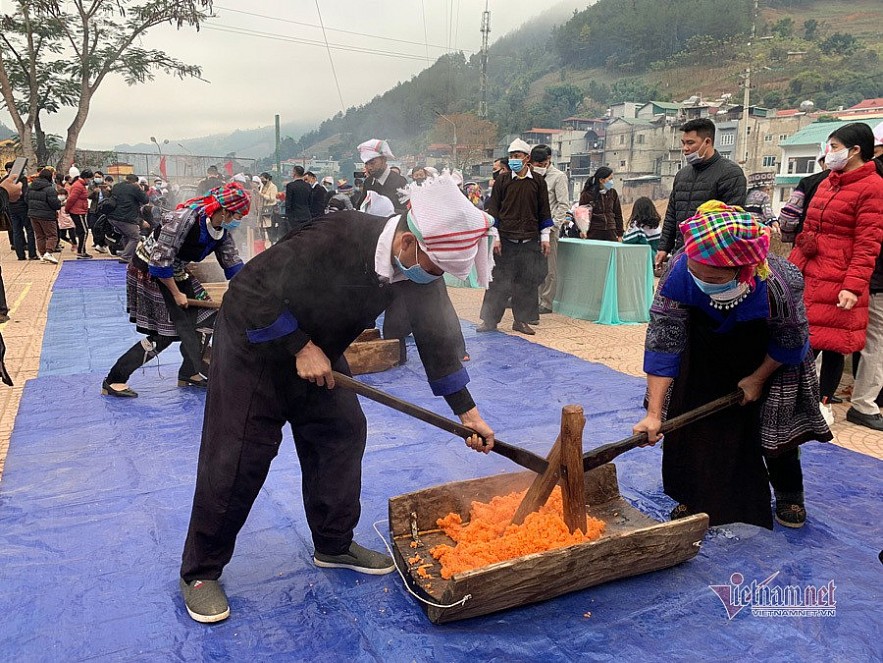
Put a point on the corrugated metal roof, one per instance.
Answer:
(814, 134)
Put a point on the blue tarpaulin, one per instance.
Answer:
(96, 494)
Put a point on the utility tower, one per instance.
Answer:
(485, 32)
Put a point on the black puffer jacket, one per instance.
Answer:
(129, 198)
(43, 200)
(715, 179)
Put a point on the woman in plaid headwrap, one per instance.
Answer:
(728, 314)
(158, 285)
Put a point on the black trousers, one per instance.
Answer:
(786, 476)
(253, 392)
(21, 229)
(518, 271)
(81, 231)
(831, 373)
(4, 307)
(142, 352)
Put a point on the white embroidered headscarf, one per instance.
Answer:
(454, 233)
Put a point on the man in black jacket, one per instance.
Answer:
(126, 216)
(21, 224)
(297, 199)
(375, 154)
(212, 181)
(287, 318)
(318, 195)
(707, 176)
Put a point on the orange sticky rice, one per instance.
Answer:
(489, 537)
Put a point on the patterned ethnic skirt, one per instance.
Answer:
(148, 310)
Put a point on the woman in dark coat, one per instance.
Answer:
(158, 286)
(43, 206)
(606, 221)
(725, 316)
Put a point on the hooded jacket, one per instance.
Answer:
(715, 178)
(77, 198)
(43, 200)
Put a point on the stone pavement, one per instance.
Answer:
(29, 289)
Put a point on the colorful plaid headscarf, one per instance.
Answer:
(724, 236)
(232, 197)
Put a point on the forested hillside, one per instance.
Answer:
(616, 50)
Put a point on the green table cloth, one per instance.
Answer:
(605, 282)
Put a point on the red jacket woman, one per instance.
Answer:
(78, 198)
(840, 242)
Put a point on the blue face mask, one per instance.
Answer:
(608, 185)
(416, 273)
(515, 165)
(231, 224)
(714, 288)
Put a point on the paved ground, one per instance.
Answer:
(28, 291)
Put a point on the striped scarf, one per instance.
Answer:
(723, 236)
(231, 197)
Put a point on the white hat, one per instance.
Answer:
(73, 172)
(450, 229)
(373, 148)
(519, 145)
(328, 180)
(241, 178)
(878, 135)
(377, 204)
(256, 179)
(142, 180)
(430, 171)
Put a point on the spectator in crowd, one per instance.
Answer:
(643, 225)
(342, 199)
(10, 192)
(500, 167)
(297, 199)
(43, 206)
(559, 202)
(99, 191)
(868, 365)
(125, 217)
(22, 231)
(605, 221)
(418, 175)
(728, 314)
(77, 206)
(212, 181)
(520, 205)
(375, 155)
(318, 195)
(707, 176)
(759, 204)
(265, 203)
(793, 213)
(837, 250)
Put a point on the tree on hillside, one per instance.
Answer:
(57, 52)
(474, 137)
(839, 43)
(810, 29)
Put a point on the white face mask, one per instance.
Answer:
(539, 170)
(837, 160)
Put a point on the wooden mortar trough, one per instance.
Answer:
(632, 544)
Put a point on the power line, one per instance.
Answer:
(308, 42)
(425, 37)
(348, 32)
(331, 59)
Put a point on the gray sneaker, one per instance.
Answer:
(358, 559)
(205, 600)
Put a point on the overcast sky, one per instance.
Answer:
(252, 77)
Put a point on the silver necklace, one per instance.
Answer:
(727, 301)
